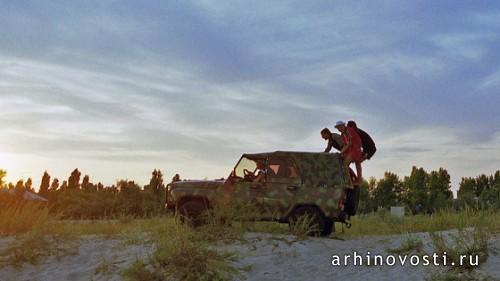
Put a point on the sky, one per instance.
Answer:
(119, 88)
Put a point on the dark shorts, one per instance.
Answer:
(368, 152)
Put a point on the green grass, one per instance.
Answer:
(384, 224)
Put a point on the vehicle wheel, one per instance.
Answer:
(311, 221)
(193, 212)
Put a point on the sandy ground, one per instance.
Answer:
(90, 258)
(267, 257)
(280, 258)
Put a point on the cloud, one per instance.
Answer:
(107, 84)
(432, 148)
(469, 46)
(491, 81)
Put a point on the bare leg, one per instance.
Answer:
(347, 162)
(359, 174)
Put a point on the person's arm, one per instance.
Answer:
(348, 144)
(329, 147)
(260, 177)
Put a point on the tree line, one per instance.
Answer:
(80, 198)
(428, 192)
(420, 192)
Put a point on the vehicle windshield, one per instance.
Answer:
(245, 164)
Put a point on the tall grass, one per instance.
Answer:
(303, 226)
(382, 223)
(18, 218)
(185, 253)
(466, 242)
(410, 243)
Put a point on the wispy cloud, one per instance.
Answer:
(120, 89)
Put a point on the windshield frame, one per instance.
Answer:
(265, 159)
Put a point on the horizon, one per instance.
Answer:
(120, 89)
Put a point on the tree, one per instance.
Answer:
(372, 184)
(55, 185)
(417, 196)
(439, 186)
(3, 173)
(44, 185)
(129, 198)
(28, 185)
(64, 186)
(389, 190)
(74, 180)
(156, 182)
(367, 201)
(155, 190)
(19, 189)
(496, 178)
(467, 188)
(482, 183)
(86, 185)
(490, 191)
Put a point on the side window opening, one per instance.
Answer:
(283, 168)
(292, 172)
(275, 168)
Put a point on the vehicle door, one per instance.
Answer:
(242, 187)
(281, 186)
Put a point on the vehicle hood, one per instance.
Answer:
(205, 184)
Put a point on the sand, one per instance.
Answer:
(284, 258)
(268, 257)
(90, 258)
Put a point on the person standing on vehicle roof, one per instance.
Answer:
(351, 151)
(367, 142)
(334, 140)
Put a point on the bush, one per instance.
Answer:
(470, 242)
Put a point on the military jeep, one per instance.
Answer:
(284, 186)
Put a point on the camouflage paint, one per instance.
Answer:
(321, 183)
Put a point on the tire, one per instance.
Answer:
(315, 223)
(193, 212)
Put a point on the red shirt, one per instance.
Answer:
(355, 148)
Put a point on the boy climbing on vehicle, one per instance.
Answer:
(351, 151)
(334, 140)
(367, 142)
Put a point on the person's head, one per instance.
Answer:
(326, 134)
(340, 125)
(352, 124)
(260, 165)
